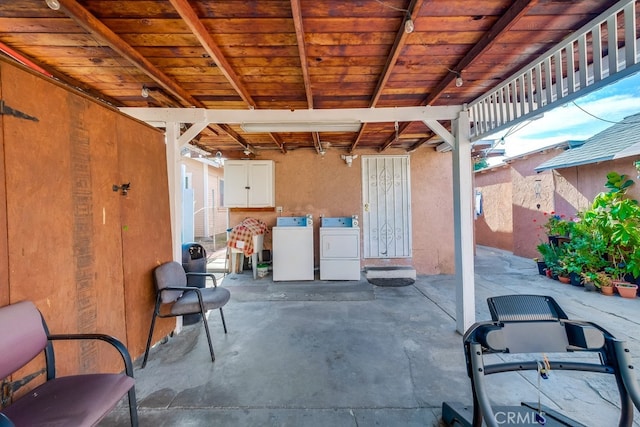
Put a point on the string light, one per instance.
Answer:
(53, 4)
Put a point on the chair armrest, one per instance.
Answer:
(117, 344)
(199, 274)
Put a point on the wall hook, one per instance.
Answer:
(124, 188)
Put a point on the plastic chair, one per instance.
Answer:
(172, 290)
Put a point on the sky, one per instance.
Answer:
(609, 104)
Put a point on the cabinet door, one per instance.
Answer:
(260, 184)
(235, 183)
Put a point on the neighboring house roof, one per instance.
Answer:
(603, 146)
(507, 160)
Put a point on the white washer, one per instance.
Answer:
(293, 249)
(339, 249)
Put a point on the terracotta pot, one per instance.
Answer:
(607, 290)
(627, 290)
(564, 279)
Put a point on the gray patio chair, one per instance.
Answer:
(172, 291)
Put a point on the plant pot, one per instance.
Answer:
(564, 279)
(590, 287)
(547, 272)
(607, 290)
(627, 290)
(575, 279)
(542, 266)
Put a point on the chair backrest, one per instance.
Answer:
(170, 274)
(22, 336)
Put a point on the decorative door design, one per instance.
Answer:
(386, 195)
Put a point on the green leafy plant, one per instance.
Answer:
(557, 225)
(615, 219)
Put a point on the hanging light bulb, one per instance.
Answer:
(459, 81)
(144, 92)
(408, 25)
(53, 4)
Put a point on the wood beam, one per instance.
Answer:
(96, 28)
(506, 21)
(389, 142)
(196, 26)
(398, 44)
(279, 142)
(302, 50)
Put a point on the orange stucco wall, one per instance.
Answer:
(494, 226)
(324, 186)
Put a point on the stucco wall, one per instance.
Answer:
(325, 186)
(210, 218)
(518, 200)
(494, 227)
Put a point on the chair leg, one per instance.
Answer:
(224, 325)
(153, 324)
(133, 407)
(206, 328)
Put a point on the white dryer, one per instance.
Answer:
(293, 248)
(340, 248)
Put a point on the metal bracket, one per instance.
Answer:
(6, 110)
(8, 388)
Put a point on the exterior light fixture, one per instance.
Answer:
(53, 4)
(459, 81)
(408, 25)
(144, 92)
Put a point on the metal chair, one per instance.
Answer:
(172, 290)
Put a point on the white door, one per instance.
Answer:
(386, 188)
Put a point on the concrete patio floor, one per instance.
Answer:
(353, 354)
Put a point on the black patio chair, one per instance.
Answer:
(172, 291)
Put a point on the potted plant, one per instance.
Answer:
(614, 219)
(627, 290)
(557, 228)
(584, 253)
(549, 254)
(600, 280)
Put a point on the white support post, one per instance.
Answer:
(174, 173)
(463, 224)
(207, 212)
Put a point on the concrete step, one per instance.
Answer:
(396, 272)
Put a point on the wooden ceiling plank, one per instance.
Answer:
(94, 26)
(190, 17)
(392, 59)
(302, 49)
(503, 24)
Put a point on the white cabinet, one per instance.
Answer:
(249, 183)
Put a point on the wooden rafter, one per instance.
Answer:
(503, 24)
(198, 29)
(302, 50)
(95, 27)
(401, 37)
(517, 9)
